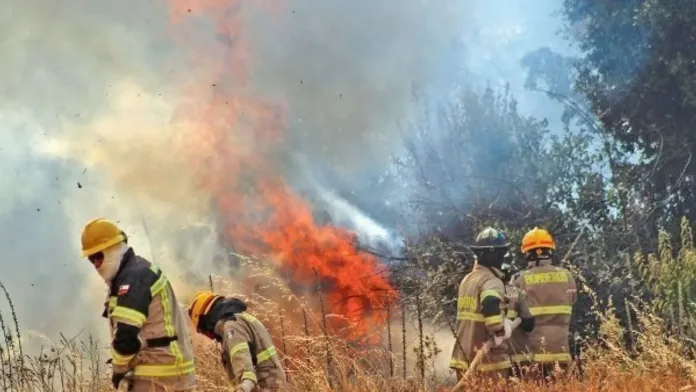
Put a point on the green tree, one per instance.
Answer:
(672, 280)
(638, 75)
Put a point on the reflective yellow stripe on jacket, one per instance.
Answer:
(129, 314)
(123, 312)
(522, 357)
(489, 293)
(261, 356)
(179, 367)
(164, 370)
(120, 360)
(551, 310)
(266, 354)
(467, 304)
(486, 367)
(558, 357)
(460, 365)
(249, 376)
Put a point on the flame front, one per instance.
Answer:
(230, 141)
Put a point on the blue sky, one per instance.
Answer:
(505, 31)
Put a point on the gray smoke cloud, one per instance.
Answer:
(88, 95)
(72, 133)
(347, 70)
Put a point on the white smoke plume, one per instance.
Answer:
(88, 94)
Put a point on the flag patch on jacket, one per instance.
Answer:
(123, 289)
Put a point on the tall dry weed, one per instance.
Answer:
(406, 354)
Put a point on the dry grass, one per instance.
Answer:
(660, 367)
(319, 361)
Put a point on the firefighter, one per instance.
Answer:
(551, 293)
(150, 338)
(247, 353)
(481, 305)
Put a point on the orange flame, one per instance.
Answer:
(230, 145)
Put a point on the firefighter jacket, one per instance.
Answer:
(551, 292)
(150, 335)
(480, 309)
(248, 352)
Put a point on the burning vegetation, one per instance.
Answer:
(232, 138)
(343, 320)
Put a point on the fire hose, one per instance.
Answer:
(479, 357)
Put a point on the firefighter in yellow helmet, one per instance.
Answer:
(248, 354)
(481, 305)
(151, 343)
(551, 293)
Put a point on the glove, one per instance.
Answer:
(116, 379)
(246, 386)
(507, 326)
(507, 332)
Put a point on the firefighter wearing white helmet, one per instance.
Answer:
(151, 341)
(551, 293)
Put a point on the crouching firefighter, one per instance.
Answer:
(248, 354)
(481, 306)
(151, 342)
(551, 294)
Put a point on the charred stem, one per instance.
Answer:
(389, 338)
(323, 323)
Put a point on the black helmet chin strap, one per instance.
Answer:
(533, 256)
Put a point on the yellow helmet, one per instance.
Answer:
(100, 234)
(201, 305)
(537, 238)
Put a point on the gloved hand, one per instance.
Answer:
(246, 386)
(507, 332)
(507, 326)
(116, 379)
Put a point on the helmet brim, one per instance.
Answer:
(480, 247)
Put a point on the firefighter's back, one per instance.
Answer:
(269, 371)
(471, 329)
(550, 292)
(166, 357)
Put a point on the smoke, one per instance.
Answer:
(347, 72)
(89, 94)
(347, 215)
(91, 123)
(84, 134)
